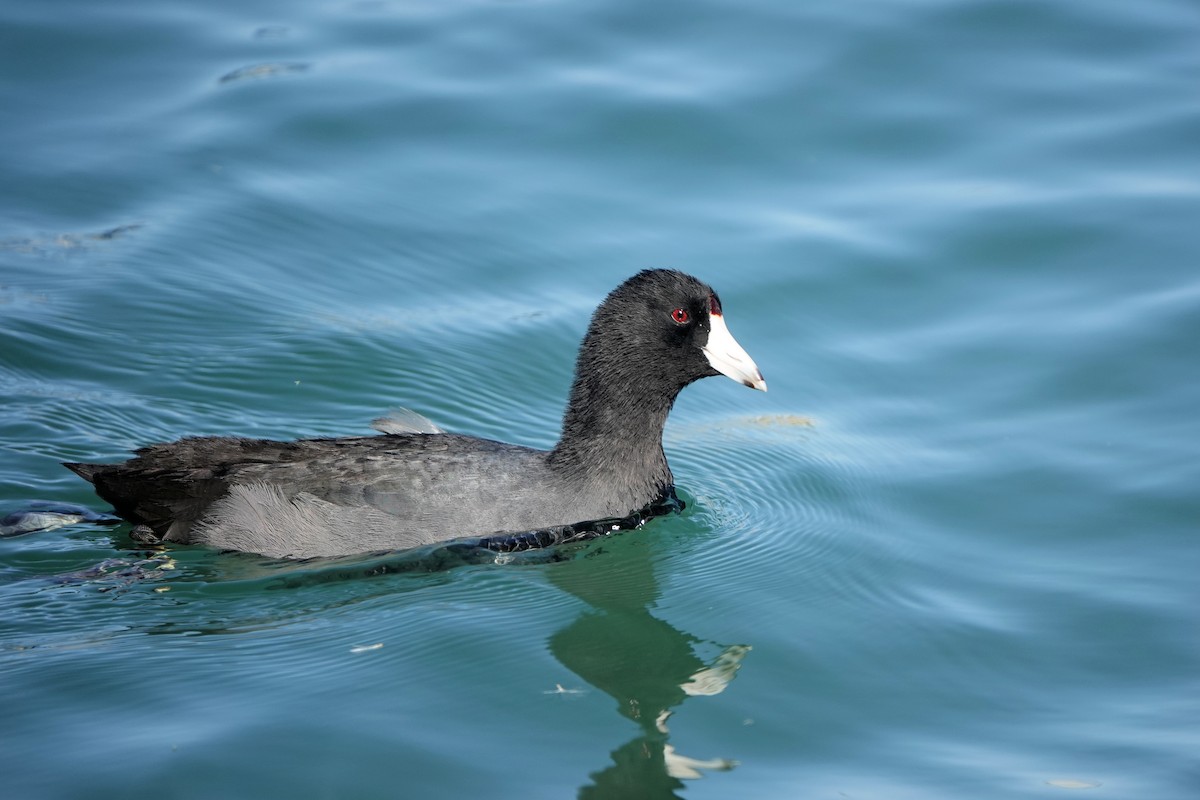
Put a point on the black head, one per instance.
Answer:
(653, 335)
(662, 326)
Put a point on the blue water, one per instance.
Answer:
(952, 552)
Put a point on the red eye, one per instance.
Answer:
(681, 316)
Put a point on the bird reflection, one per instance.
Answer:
(646, 665)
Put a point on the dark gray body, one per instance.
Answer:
(327, 497)
(653, 335)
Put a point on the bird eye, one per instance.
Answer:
(681, 316)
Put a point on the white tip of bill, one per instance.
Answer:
(727, 356)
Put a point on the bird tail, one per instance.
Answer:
(85, 471)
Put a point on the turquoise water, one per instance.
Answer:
(952, 552)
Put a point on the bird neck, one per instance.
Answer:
(613, 427)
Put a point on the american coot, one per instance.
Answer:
(654, 334)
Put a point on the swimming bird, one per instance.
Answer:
(651, 336)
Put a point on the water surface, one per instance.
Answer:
(951, 553)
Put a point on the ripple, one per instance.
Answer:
(304, 615)
(797, 506)
(769, 488)
(49, 245)
(272, 69)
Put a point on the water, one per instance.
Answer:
(958, 536)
